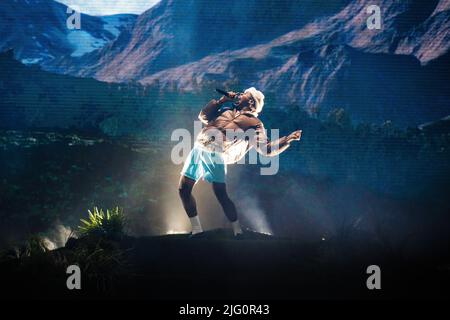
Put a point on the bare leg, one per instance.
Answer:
(220, 190)
(185, 190)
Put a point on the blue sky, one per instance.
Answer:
(107, 7)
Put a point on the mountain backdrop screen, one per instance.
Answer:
(108, 170)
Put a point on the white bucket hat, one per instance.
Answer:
(258, 96)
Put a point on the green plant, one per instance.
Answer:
(110, 223)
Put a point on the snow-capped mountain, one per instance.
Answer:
(175, 32)
(399, 72)
(316, 54)
(37, 31)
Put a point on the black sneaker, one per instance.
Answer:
(240, 236)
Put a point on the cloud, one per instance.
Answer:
(108, 7)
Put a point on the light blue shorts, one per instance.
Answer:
(202, 163)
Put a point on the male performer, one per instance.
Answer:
(214, 149)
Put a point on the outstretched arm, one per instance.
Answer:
(273, 148)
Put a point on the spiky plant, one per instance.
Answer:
(109, 224)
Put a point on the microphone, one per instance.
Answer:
(223, 92)
(226, 94)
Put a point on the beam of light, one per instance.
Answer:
(175, 219)
(254, 215)
(262, 232)
(171, 231)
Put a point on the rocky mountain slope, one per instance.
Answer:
(326, 64)
(175, 32)
(313, 54)
(327, 60)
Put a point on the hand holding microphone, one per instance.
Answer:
(227, 95)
